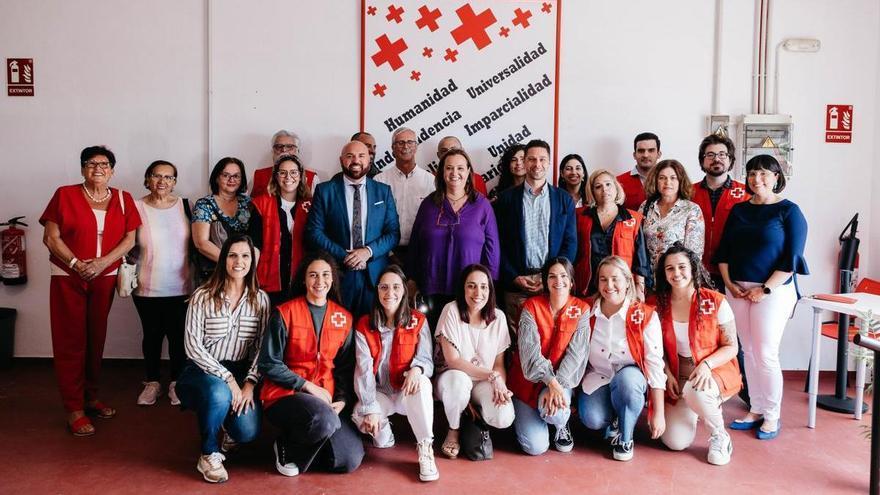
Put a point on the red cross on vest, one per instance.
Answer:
(737, 192)
(630, 223)
(573, 312)
(338, 319)
(412, 323)
(637, 316)
(707, 306)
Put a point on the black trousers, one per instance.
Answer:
(315, 435)
(162, 317)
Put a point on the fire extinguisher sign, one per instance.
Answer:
(838, 123)
(20, 76)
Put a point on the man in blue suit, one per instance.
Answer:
(535, 223)
(354, 219)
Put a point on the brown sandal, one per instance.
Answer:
(100, 410)
(450, 448)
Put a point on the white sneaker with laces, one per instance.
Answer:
(150, 393)
(563, 441)
(172, 394)
(720, 449)
(211, 467)
(282, 464)
(427, 466)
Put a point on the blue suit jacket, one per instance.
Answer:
(511, 230)
(329, 227)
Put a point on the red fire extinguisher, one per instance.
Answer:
(13, 266)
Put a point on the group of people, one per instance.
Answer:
(330, 306)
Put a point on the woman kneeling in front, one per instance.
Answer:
(393, 351)
(472, 336)
(699, 340)
(552, 341)
(625, 359)
(307, 360)
(224, 327)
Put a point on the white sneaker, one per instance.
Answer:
(385, 438)
(150, 393)
(172, 394)
(211, 467)
(623, 451)
(427, 466)
(720, 449)
(282, 464)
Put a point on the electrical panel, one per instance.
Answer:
(765, 134)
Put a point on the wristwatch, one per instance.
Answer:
(767, 290)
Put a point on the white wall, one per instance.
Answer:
(140, 87)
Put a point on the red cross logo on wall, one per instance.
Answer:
(428, 18)
(415, 75)
(338, 319)
(630, 223)
(379, 90)
(394, 13)
(737, 192)
(450, 55)
(389, 52)
(637, 316)
(521, 18)
(707, 307)
(573, 312)
(413, 321)
(504, 31)
(371, 10)
(428, 52)
(473, 26)
(545, 8)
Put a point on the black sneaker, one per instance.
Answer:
(612, 433)
(563, 441)
(282, 463)
(623, 451)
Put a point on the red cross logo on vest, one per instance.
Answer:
(707, 307)
(338, 319)
(412, 323)
(630, 223)
(306, 205)
(637, 316)
(573, 312)
(737, 192)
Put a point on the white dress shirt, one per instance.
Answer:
(408, 190)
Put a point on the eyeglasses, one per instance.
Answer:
(168, 178)
(712, 155)
(284, 147)
(401, 144)
(94, 165)
(231, 177)
(285, 174)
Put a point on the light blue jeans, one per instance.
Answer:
(623, 398)
(531, 423)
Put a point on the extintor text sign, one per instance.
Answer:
(838, 123)
(20, 76)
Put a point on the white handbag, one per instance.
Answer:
(126, 275)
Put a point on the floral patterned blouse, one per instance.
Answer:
(684, 222)
(206, 210)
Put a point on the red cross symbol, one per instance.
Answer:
(428, 18)
(389, 52)
(573, 312)
(371, 10)
(412, 323)
(379, 90)
(546, 8)
(637, 316)
(504, 32)
(707, 307)
(306, 205)
(450, 54)
(338, 319)
(630, 223)
(473, 26)
(394, 13)
(521, 18)
(415, 75)
(737, 192)
(428, 52)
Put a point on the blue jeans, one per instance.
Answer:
(530, 423)
(211, 399)
(623, 398)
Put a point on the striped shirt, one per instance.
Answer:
(225, 333)
(536, 215)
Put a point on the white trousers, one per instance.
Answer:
(760, 327)
(418, 409)
(681, 417)
(456, 389)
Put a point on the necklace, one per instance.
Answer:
(456, 200)
(105, 198)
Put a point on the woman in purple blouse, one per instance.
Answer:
(455, 227)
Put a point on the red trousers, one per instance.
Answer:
(78, 312)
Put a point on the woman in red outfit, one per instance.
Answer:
(88, 228)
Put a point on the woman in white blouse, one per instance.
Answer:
(625, 360)
(224, 330)
(472, 337)
(669, 213)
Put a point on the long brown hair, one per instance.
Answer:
(216, 283)
(699, 278)
(302, 190)
(488, 311)
(685, 187)
(403, 315)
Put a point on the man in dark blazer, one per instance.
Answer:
(360, 243)
(535, 223)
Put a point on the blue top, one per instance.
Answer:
(761, 239)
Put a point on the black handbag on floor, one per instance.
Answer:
(476, 444)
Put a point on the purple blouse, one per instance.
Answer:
(444, 242)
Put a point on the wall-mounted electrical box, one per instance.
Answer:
(766, 134)
(720, 126)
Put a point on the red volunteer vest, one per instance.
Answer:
(269, 268)
(715, 223)
(704, 343)
(403, 346)
(554, 337)
(632, 187)
(262, 177)
(303, 354)
(479, 184)
(623, 244)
